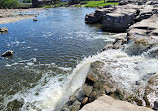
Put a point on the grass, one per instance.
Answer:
(86, 4)
(99, 3)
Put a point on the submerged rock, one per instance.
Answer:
(108, 46)
(7, 53)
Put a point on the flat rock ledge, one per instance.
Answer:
(118, 19)
(107, 103)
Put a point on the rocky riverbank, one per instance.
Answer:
(131, 76)
(120, 18)
(13, 15)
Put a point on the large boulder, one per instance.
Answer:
(106, 103)
(118, 21)
(98, 15)
(145, 13)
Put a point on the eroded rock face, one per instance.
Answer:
(118, 22)
(145, 27)
(144, 13)
(106, 103)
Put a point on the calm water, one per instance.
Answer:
(44, 51)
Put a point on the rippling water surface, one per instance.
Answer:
(45, 53)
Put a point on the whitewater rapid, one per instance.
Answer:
(51, 92)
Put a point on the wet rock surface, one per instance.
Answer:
(3, 30)
(7, 53)
(106, 103)
(104, 84)
(152, 91)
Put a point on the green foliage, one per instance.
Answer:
(9, 4)
(99, 3)
(78, 5)
(27, 1)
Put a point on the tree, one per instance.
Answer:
(9, 4)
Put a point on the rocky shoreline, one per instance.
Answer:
(139, 24)
(13, 15)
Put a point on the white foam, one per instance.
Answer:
(128, 69)
(51, 94)
(65, 69)
(30, 63)
(8, 65)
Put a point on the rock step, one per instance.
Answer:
(107, 103)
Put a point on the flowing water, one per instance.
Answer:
(46, 52)
(52, 57)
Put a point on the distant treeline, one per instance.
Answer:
(9, 4)
(4, 4)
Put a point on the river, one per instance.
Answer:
(47, 54)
